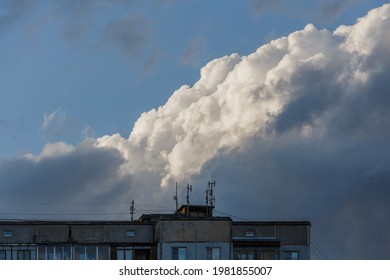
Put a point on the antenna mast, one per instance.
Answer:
(189, 189)
(210, 198)
(176, 198)
(132, 210)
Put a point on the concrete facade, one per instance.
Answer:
(76, 240)
(76, 232)
(196, 235)
(190, 233)
(271, 240)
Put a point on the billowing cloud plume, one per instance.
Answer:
(293, 83)
(296, 130)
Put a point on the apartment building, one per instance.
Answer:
(192, 232)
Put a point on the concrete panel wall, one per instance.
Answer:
(194, 231)
(113, 233)
(20, 234)
(264, 231)
(79, 233)
(287, 233)
(51, 233)
(293, 235)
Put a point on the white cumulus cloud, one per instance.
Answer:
(239, 97)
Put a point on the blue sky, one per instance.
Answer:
(95, 66)
(284, 103)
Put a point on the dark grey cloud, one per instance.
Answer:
(50, 185)
(83, 182)
(343, 191)
(314, 92)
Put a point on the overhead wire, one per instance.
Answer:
(317, 250)
(230, 215)
(31, 207)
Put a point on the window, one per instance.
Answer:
(79, 253)
(24, 255)
(16, 252)
(8, 233)
(255, 253)
(266, 255)
(213, 253)
(179, 253)
(103, 252)
(85, 252)
(249, 233)
(130, 233)
(55, 252)
(5, 252)
(91, 252)
(50, 253)
(69, 252)
(124, 253)
(291, 255)
(246, 255)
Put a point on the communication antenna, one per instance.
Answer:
(132, 210)
(189, 189)
(176, 198)
(210, 198)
